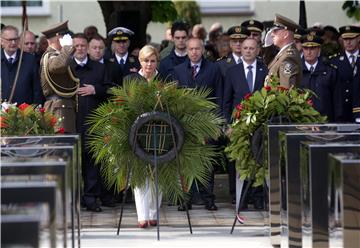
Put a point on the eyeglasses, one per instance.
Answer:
(16, 39)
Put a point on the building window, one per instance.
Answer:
(34, 8)
(230, 7)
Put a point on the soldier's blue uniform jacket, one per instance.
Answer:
(346, 77)
(116, 72)
(167, 64)
(356, 97)
(323, 82)
(225, 63)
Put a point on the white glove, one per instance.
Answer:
(268, 41)
(66, 40)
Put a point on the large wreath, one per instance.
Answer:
(294, 105)
(111, 124)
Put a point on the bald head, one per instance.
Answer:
(29, 44)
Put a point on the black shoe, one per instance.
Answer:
(182, 207)
(94, 208)
(211, 207)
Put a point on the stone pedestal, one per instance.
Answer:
(272, 155)
(344, 200)
(291, 187)
(314, 202)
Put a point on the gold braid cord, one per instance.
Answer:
(53, 85)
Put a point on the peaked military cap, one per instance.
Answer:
(56, 29)
(253, 25)
(311, 40)
(120, 33)
(285, 23)
(298, 33)
(349, 31)
(238, 32)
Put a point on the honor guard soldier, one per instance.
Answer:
(255, 28)
(237, 35)
(348, 65)
(287, 63)
(318, 76)
(58, 82)
(123, 63)
(299, 32)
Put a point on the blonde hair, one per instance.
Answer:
(148, 51)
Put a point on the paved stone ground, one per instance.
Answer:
(210, 228)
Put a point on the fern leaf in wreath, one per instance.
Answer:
(111, 122)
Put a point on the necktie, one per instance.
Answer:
(194, 71)
(311, 69)
(122, 63)
(352, 60)
(238, 61)
(11, 60)
(249, 78)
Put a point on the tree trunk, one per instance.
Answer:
(134, 15)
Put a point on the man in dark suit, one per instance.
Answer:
(237, 35)
(236, 84)
(242, 79)
(348, 66)
(319, 77)
(28, 87)
(180, 34)
(195, 73)
(122, 63)
(90, 93)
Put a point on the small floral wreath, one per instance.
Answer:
(293, 104)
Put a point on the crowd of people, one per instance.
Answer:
(70, 74)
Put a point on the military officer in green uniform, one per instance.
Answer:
(58, 83)
(287, 63)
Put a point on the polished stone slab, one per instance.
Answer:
(314, 187)
(20, 230)
(344, 200)
(13, 192)
(272, 155)
(67, 150)
(291, 234)
(26, 167)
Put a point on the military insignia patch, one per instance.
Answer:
(341, 58)
(112, 60)
(228, 60)
(131, 60)
(237, 29)
(287, 69)
(251, 22)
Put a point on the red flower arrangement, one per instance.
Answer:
(27, 119)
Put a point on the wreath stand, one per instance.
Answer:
(151, 120)
(257, 148)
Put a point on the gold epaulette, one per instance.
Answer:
(356, 110)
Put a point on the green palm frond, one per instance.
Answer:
(111, 122)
